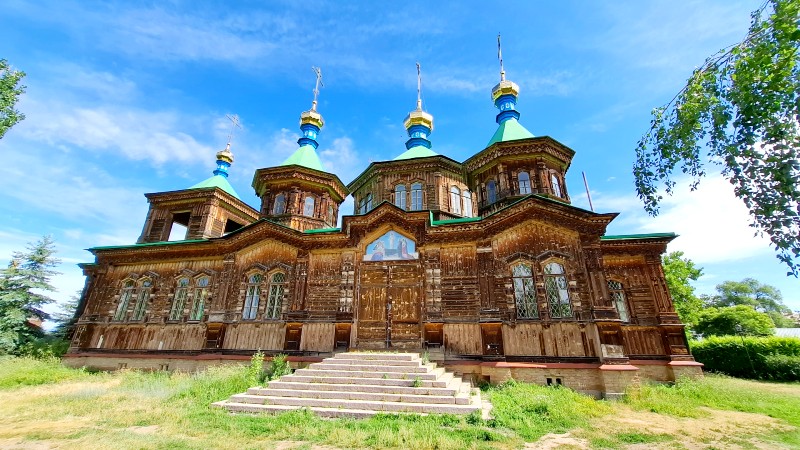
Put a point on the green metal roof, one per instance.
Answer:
(217, 181)
(416, 152)
(305, 156)
(620, 237)
(322, 230)
(148, 244)
(510, 130)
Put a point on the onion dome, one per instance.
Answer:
(504, 95)
(311, 123)
(419, 125)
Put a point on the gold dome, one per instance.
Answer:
(503, 88)
(418, 117)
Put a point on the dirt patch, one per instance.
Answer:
(717, 429)
(558, 441)
(17, 444)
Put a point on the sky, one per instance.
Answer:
(126, 98)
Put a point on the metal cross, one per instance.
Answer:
(419, 88)
(234, 124)
(317, 71)
(500, 57)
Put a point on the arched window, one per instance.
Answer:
(556, 288)
(617, 292)
(491, 192)
(467, 203)
(308, 207)
(277, 286)
(524, 292)
(145, 286)
(179, 301)
(124, 299)
(199, 299)
(252, 296)
(556, 185)
(455, 200)
(400, 196)
(416, 196)
(524, 183)
(279, 207)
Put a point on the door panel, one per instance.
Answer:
(389, 305)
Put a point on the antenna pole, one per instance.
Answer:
(586, 185)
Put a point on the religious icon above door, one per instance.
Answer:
(391, 246)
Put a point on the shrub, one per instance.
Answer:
(278, 367)
(764, 358)
(255, 371)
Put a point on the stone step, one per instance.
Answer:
(277, 409)
(383, 374)
(364, 367)
(360, 404)
(441, 382)
(378, 356)
(462, 399)
(378, 389)
(373, 362)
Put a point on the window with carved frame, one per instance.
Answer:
(491, 191)
(455, 200)
(199, 297)
(556, 289)
(400, 196)
(556, 185)
(179, 299)
(524, 291)
(277, 286)
(128, 287)
(467, 195)
(142, 297)
(524, 181)
(416, 197)
(309, 205)
(252, 296)
(617, 292)
(279, 206)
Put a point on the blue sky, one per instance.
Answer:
(126, 98)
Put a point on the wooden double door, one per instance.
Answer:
(389, 305)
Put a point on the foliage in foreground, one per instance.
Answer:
(742, 106)
(10, 90)
(22, 287)
(763, 358)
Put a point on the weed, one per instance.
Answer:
(426, 357)
(278, 367)
(255, 371)
(417, 382)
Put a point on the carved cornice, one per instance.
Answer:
(200, 195)
(297, 175)
(410, 166)
(523, 148)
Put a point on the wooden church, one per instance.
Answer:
(484, 264)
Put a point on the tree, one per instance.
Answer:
(761, 297)
(65, 320)
(10, 90)
(742, 106)
(22, 288)
(680, 272)
(732, 320)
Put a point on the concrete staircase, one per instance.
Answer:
(361, 385)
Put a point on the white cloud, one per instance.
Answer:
(712, 223)
(342, 159)
(156, 136)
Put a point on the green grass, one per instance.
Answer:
(68, 408)
(18, 372)
(687, 397)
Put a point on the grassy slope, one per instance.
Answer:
(43, 401)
